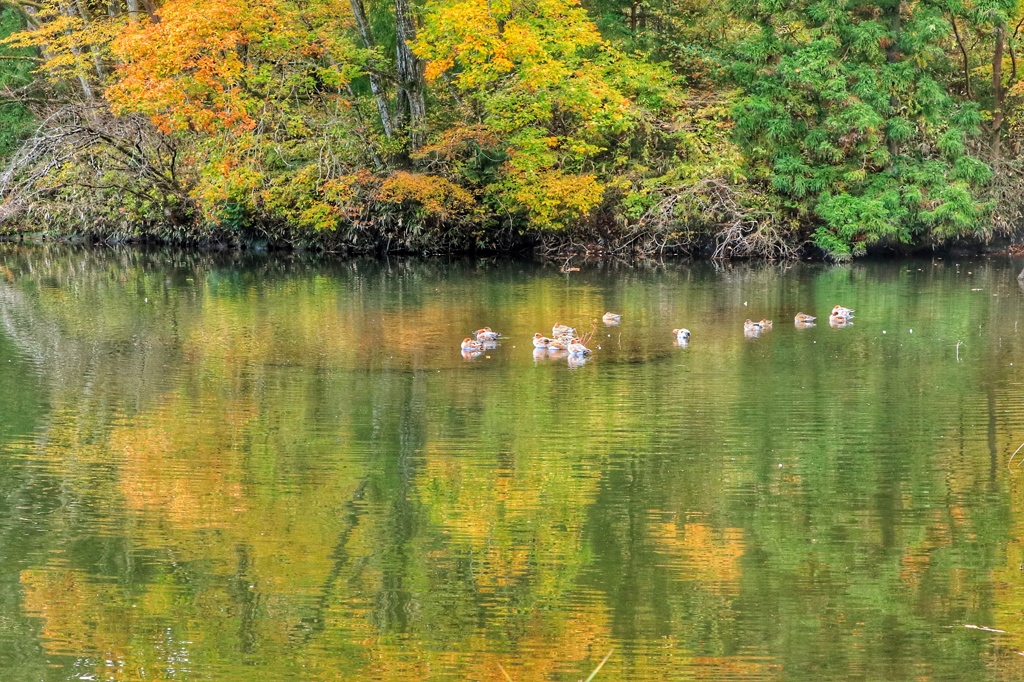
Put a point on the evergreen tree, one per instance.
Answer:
(842, 113)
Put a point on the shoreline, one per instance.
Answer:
(528, 249)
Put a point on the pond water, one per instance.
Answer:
(282, 468)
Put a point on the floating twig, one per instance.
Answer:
(585, 338)
(600, 665)
(505, 673)
(1014, 455)
(958, 344)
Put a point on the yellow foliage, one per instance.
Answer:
(70, 45)
(553, 198)
(456, 140)
(440, 198)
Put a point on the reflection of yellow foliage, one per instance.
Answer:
(708, 556)
(1008, 611)
(160, 475)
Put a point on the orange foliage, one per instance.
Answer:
(456, 141)
(439, 197)
(186, 70)
(212, 66)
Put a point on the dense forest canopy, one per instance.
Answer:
(736, 128)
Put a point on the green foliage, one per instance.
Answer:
(693, 123)
(15, 72)
(844, 113)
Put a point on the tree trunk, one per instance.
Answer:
(411, 106)
(998, 95)
(359, 12)
(963, 52)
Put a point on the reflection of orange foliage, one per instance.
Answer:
(1008, 611)
(576, 644)
(58, 598)
(160, 473)
(711, 557)
(913, 566)
(79, 617)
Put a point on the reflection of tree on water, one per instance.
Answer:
(226, 475)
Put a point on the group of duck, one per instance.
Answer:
(564, 342)
(839, 318)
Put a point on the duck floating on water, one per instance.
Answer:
(766, 325)
(486, 334)
(803, 318)
(682, 335)
(559, 344)
(611, 318)
(843, 312)
(751, 329)
(562, 330)
(471, 346)
(577, 348)
(540, 341)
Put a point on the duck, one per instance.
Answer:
(682, 335)
(843, 312)
(751, 326)
(559, 344)
(765, 325)
(611, 318)
(803, 318)
(562, 330)
(486, 334)
(577, 348)
(471, 346)
(540, 341)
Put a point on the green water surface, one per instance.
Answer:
(266, 467)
